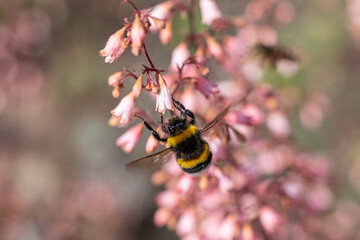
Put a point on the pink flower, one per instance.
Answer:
(206, 87)
(163, 99)
(166, 33)
(162, 216)
(167, 199)
(252, 71)
(185, 184)
(225, 183)
(238, 117)
(138, 34)
(214, 48)
(319, 198)
(190, 71)
(151, 144)
(253, 111)
(138, 86)
(189, 98)
(128, 140)
(209, 225)
(294, 187)
(124, 110)
(235, 46)
(150, 85)
(218, 148)
(116, 92)
(179, 55)
(269, 219)
(192, 236)
(278, 124)
(284, 12)
(228, 227)
(287, 68)
(313, 111)
(156, 23)
(187, 222)
(114, 46)
(161, 11)
(116, 79)
(209, 11)
(247, 232)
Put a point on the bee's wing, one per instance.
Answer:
(217, 123)
(158, 158)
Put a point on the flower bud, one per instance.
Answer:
(206, 87)
(214, 48)
(124, 110)
(128, 140)
(269, 219)
(138, 34)
(166, 33)
(179, 55)
(209, 11)
(138, 86)
(151, 144)
(116, 79)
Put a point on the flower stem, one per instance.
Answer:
(133, 5)
(143, 48)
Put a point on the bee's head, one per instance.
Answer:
(176, 125)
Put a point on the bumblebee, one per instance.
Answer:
(193, 154)
(272, 54)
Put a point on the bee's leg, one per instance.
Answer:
(184, 112)
(154, 133)
(162, 123)
(191, 115)
(181, 108)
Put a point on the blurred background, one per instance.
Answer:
(61, 174)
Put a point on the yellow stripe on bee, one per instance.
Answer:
(187, 133)
(191, 163)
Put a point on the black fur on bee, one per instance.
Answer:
(193, 154)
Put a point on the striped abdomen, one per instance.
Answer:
(192, 153)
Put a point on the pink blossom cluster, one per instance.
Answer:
(259, 186)
(252, 190)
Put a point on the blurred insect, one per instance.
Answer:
(193, 154)
(272, 54)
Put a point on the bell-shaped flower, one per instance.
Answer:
(185, 184)
(138, 34)
(125, 109)
(166, 33)
(151, 144)
(206, 87)
(269, 219)
(116, 79)
(128, 140)
(187, 222)
(138, 86)
(209, 11)
(162, 216)
(163, 98)
(161, 11)
(179, 55)
(114, 46)
(214, 48)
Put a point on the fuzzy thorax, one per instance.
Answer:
(181, 137)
